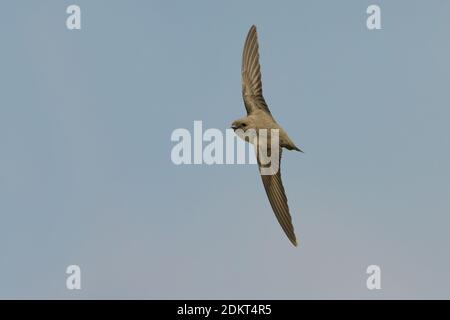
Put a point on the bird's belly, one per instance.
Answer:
(246, 136)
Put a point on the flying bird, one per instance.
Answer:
(259, 117)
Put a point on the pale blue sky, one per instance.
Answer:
(85, 171)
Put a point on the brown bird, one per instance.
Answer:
(259, 117)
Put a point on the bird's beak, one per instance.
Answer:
(233, 127)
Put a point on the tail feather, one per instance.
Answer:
(298, 149)
(294, 147)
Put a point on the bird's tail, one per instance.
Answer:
(294, 147)
(289, 144)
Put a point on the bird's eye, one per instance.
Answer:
(244, 124)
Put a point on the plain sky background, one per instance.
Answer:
(85, 170)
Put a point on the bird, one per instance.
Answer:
(259, 117)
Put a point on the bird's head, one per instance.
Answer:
(242, 124)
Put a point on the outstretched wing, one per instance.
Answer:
(251, 75)
(278, 201)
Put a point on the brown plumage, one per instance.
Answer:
(259, 117)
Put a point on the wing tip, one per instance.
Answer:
(294, 242)
(252, 29)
